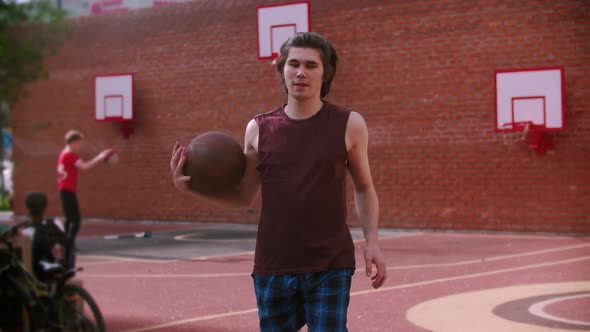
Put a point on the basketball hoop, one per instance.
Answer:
(527, 132)
(113, 95)
(530, 103)
(537, 140)
(126, 129)
(513, 133)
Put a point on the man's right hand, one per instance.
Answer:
(105, 154)
(176, 165)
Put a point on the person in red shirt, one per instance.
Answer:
(299, 156)
(68, 164)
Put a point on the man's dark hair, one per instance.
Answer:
(315, 41)
(72, 136)
(36, 203)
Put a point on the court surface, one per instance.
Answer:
(196, 277)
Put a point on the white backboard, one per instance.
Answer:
(113, 97)
(535, 95)
(276, 23)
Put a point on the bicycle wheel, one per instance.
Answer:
(16, 307)
(77, 310)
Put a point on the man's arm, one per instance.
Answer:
(81, 164)
(245, 193)
(365, 196)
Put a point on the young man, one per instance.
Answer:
(68, 164)
(299, 155)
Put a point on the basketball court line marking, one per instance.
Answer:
(479, 307)
(492, 259)
(107, 259)
(474, 275)
(508, 235)
(538, 309)
(204, 258)
(168, 276)
(118, 259)
(371, 291)
(196, 319)
(187, 238)
(399, 267)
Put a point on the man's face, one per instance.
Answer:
(303, 73)
(75, 145)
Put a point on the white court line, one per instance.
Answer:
(155, 276)
(491, 259)
(192, 320)
(538, 309)
(114, 259)
(370, 291)
(474, 275)
(204, 258)
(118, 259)
(398, 267)
(187, 238)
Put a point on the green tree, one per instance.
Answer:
(28, 33)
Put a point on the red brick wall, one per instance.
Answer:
(421, 72)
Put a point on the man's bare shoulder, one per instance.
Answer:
(356, 124)
(252, 126)
(356, 119)
(356, 130)
(251, 135)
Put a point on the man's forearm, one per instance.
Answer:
(367, 208)
(89, 164)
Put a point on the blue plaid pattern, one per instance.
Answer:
(319, 299)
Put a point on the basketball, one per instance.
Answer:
(215, 162)
(111, 158)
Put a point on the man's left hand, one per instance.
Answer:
(373, 256)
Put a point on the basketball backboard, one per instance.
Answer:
(530, 95)
(113, 97)
(276, 23)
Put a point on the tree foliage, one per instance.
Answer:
(28, 33)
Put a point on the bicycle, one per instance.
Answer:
(54, 305)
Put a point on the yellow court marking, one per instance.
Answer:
(475, 308)
(380, 290)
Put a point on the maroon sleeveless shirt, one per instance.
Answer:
(303, 179)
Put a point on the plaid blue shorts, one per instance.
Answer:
(287, 302)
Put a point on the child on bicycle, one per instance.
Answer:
(49, 242)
